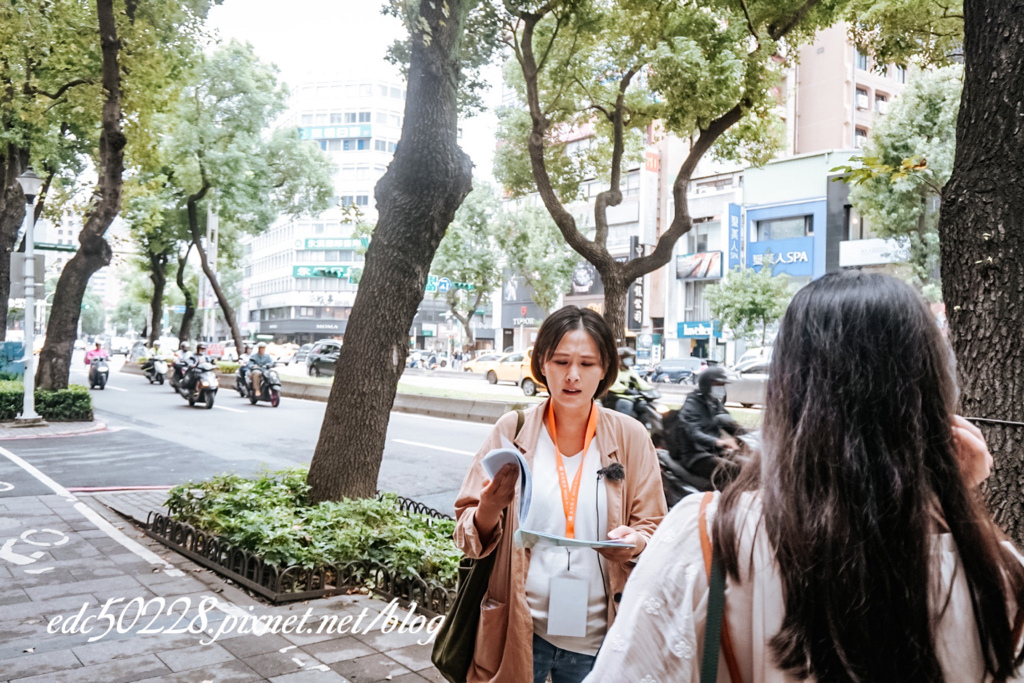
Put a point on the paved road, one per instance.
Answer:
(156, 439)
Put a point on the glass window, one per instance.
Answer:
(337, 118)
(785, 228)
(334, 145)
(392, 147)
(322, 119)
(381, 117)
(331, 256)
(382, 90)
(362, 200)
(364, 117)
(307, 119)
(348, 172)
(862, 60)
(380, 145)
(860, 138)
(362, 172)
(349, 145)
(395, 120)
(901, 74)
(318, 228)
(350, 117)
(363, 143)
(862, 98)
(881, 104)
(365, 90)
(347, 200)
(396, 93)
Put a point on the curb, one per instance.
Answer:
(93, 428)
(471, 410)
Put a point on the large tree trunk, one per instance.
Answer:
(158, 275)
(185, 329)
(222, 299)
(982, 245)
(94, 252)
(417, 199)
(616, 289)
(12, 215)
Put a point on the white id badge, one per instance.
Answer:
(567, 606)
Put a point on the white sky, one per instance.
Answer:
(310, 39)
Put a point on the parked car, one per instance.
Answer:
(302, 353)
(80, 344)
(755, 353)
(482, 364)
(678, 370)
(508, 369)
(527, 381)
(749, 380)
(322, 358)
(120, 345)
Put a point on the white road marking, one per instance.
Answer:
(233, 410)
(116, 388)
(432, 446)
(93, 516)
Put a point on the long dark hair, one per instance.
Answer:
(567, 319)
(858, 470)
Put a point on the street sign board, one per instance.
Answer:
(18, 276)
(444, 284)
(53, 246)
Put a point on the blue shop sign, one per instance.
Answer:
(793, 256)
(734, 236)
(700, 329)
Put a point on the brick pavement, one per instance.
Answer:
(58, 556)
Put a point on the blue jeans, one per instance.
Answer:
(564, 666)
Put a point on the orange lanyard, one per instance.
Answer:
(570, 498)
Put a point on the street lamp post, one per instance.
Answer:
(30, 185)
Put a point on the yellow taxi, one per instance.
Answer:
(527, 382)
(482, 364)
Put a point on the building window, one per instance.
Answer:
(854, 225)
(901, 74)
(392, 147)
(862, 60)
(363, 143)
(881, 104)
(362, 200)
(860, 138)
(382, 90)
(334, 145)
(862, 99)
(318, 228)
(784, 228)
(347, 200)
(396, 93)
(380, 145)
(322, 119)
(382, 117)
(395, 120)
(350, 117)
(349, 145)
(337, 118)
(704, 236)
(307, 119)
(364, 117)
(322, 143)
(362, 172)
(365, 90)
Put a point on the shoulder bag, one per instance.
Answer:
(716, 629)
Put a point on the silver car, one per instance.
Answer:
(749, 380)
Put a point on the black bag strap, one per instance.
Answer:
(713, 624)
(520, 419)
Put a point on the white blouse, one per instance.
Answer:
(658, 635)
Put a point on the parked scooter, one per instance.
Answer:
(270, 387)
(155, 370)
(198, 381)
(98, 373)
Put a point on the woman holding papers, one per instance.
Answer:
(596, 499)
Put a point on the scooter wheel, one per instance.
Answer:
(191, 402)
(253, 397)
(209, 399)
(275, 397)
(160, 379)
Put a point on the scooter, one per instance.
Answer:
(198, 383)
(98, 373)
(270, 387)
(156, 370)
(646, 408)
(679, 482)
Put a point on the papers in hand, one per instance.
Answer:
(509, 454)
(531, 538)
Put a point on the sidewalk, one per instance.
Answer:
(63, 555)
(9, 430)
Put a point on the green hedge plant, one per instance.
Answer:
(65, 405)
(271, 515)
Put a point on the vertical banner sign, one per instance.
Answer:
(635, 300)
(734, 236)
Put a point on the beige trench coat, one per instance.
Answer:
(504, 643)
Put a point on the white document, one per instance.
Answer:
(509, 454)
(529, 539)
(567, 606)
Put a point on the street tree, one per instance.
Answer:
(129, 68)
(537, 251)
(897, 185)
(750, 302)
(471, 254)
(220, 158)
(128, 316)
(94, 315)
(416, 200)
(604, 73)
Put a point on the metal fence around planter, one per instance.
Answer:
(290, 584)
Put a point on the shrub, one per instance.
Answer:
(227, 368)
(271, 515)
(65, 405)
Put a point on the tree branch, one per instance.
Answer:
(777, 32)
(613, 195)
(62, 89)
(750, 24)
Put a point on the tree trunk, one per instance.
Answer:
(465, 320)
(12, 215)
(158, 275)
(94, 252)
(981, 232)
(185, 329)
(417, 199)
(616, 290)
(225, 307)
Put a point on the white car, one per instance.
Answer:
(748, 382)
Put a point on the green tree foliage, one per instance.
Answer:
(129, 315)
(605, 72)
(907, 161)
(94, 315)
(928, 31)
(537, 250)
(216, 150)
(750, 301)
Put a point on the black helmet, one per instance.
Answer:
(710, 378)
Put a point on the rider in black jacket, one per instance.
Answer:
(705, 428)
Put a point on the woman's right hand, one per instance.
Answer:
(496, 496)
(972, 452)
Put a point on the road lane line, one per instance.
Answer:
(436, 448)
(93, 516)
(116, 388)
(233, 410)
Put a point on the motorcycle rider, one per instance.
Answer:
(152, 354)
(628, 382)
(705, 431)
(243, 361)
(97, 352)
(258, 362)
